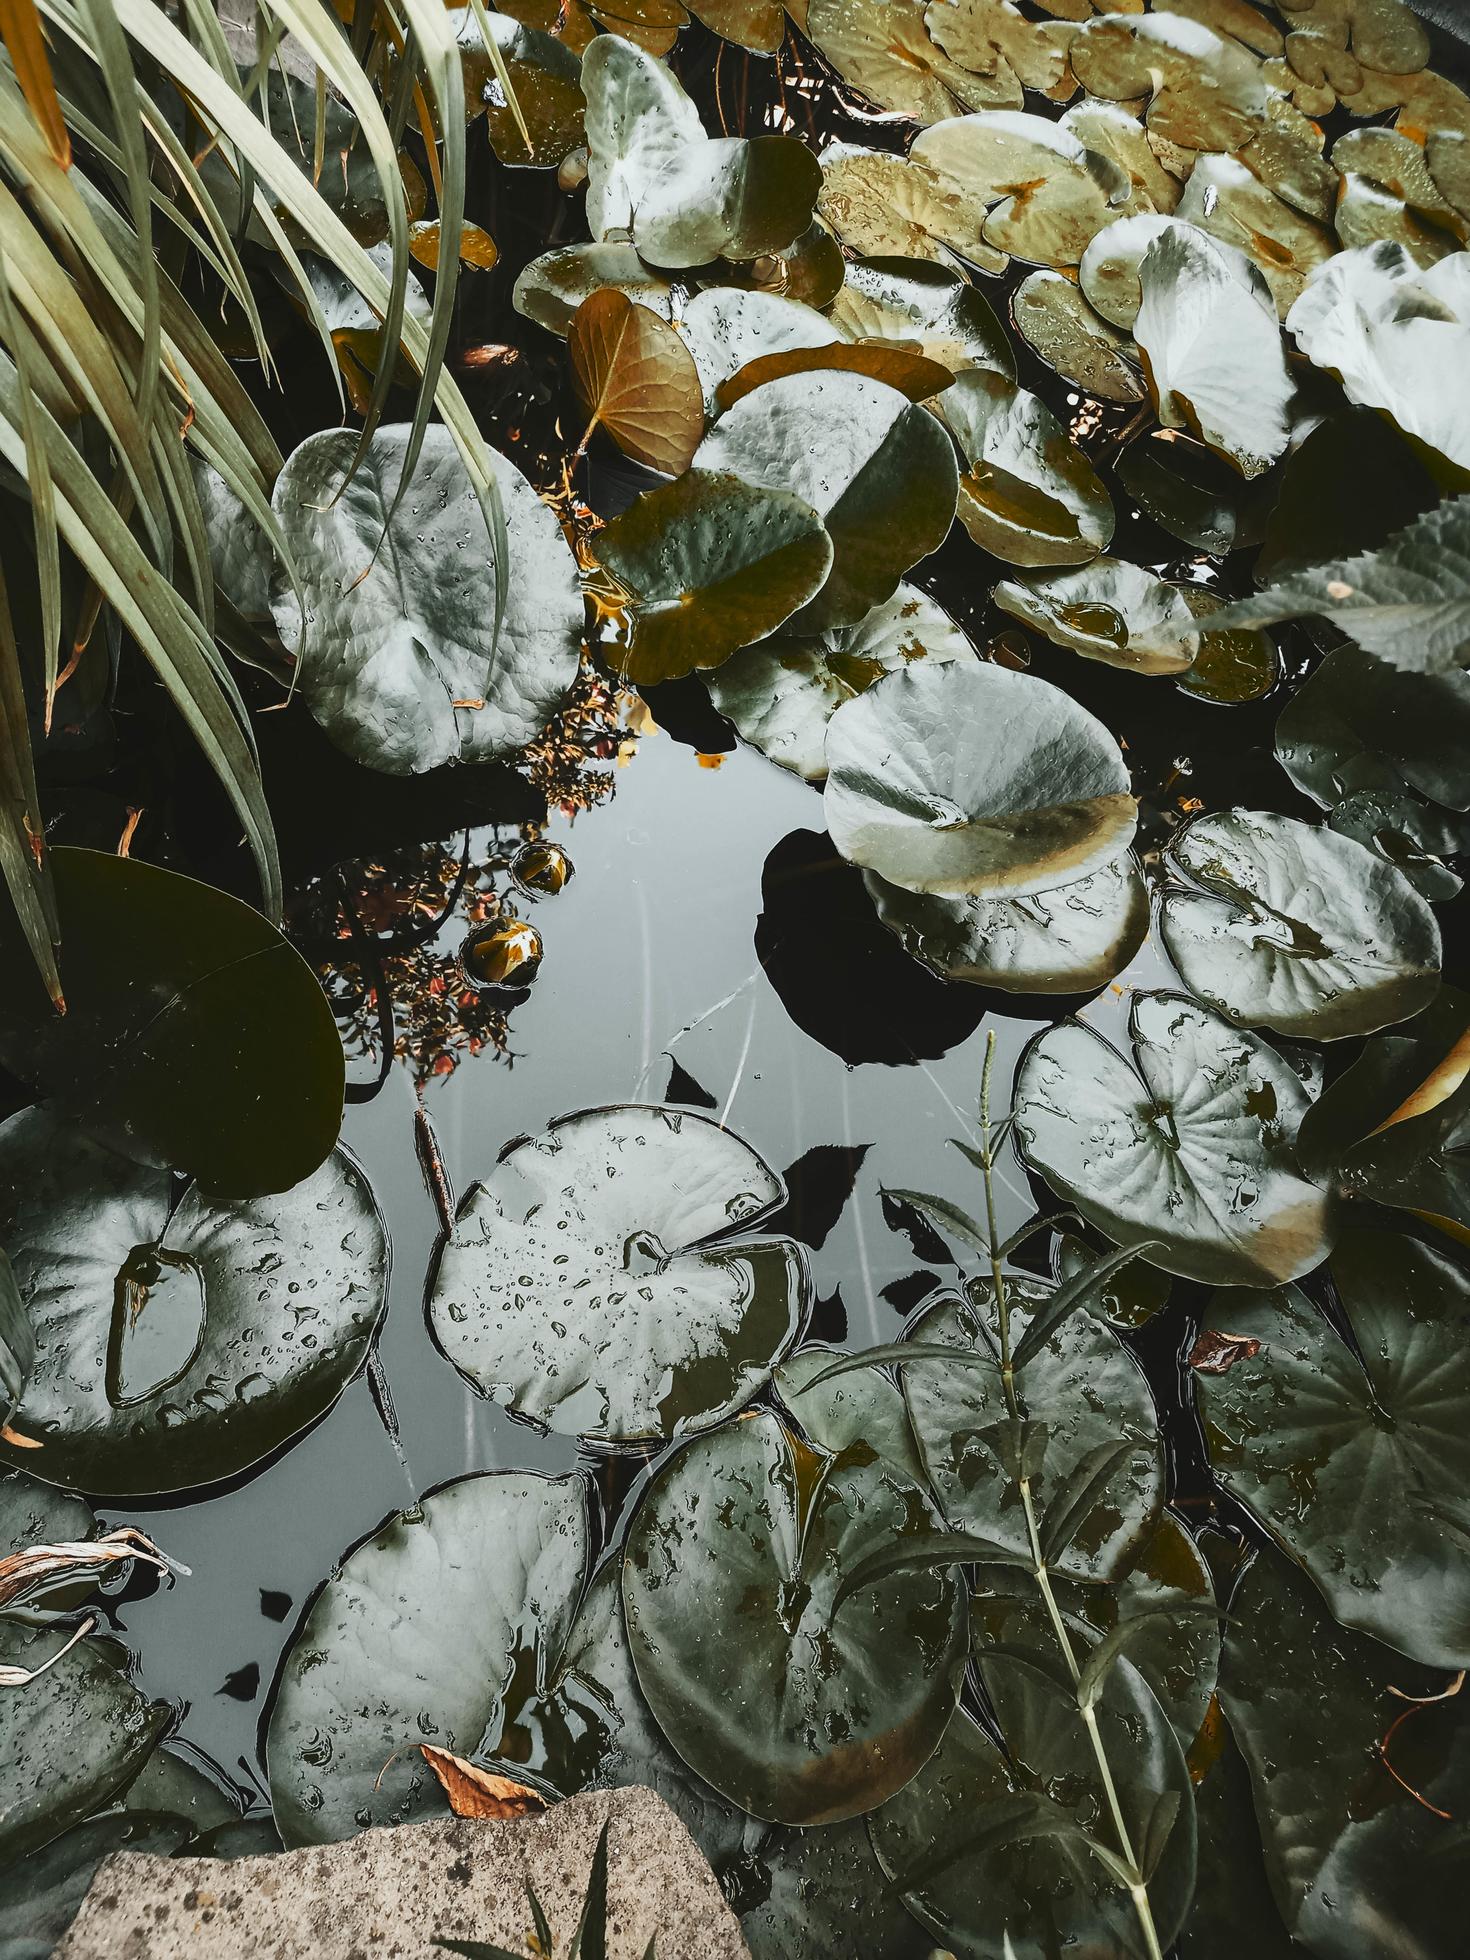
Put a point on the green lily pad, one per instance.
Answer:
(782, 693)
(1234, 664)
(1193, 494)
(551, 288)
(1048, 196)
(726, 328)
(905, 299)
(1081, 1391)
(1028, 495)
(177, 1345)
(33, 1513)
(876, 468)
(973, 779)
(1231, 203)
(1212, 350)
(882, 48)
(1296, 928)
(1188, 1142)
(1359, 723)
(69, 1740)
(1057, 324)
(1127, 1298)
(862, 1406)
(824, 1892)
(1409, 834)
(44, 1892)
(602, 1283)
(399, 660)
(1232, 1895)
(418, 1637)
(195, 1034)
(1070, 940)
(170, 1785)
(710, 563)
(1110, 610)
(1355, 1859)
(1354, 1459)
(793, 1709)
(729, 197)
(638, 120)
(1205, 91)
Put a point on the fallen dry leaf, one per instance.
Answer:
(1217, 1354)
(911, 373)
(40, 1567)
(476, 1792)
(635, 376)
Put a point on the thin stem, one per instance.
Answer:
(1138, 1891)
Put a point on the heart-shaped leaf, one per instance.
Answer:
(1189, 1142)
(638, 120)
(636, 379)
(862, 1406)
(399, 660)
(733, 1561)
(1206, 91)
(726, 328)
(1028, 495)
(601, 1281)
(178, 1344)
(1355, 1458)
(710, 563)
(881, 47)
(1049, 195)
(972, 779)
(731, 197)
(196, 1037)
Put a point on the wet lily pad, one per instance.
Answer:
(1128, 1298)
(876, 468)
(1048, 196)
(1110, 610)
(881, 205)
(782, 693)
(905, 299)
(552, 287)
(729, 197)
(195, 1037)
(1212, 351)
(1058, 324)
(1070, 940)
(794, 1710)
(710, 563)
(70, 1739)
(1189, 1142)
(1108, 273)
(602, 1280)
(1028, 495)
(1354, 1857)
(912, 374)
(1113, 130)
(33, 1513)
(759, 25)
(177, 1345)
(1189, 490)
(1358, 723)
(44, 1892)
(501, 1560)
(638, 120)
(399, 661)
(17, 1342)
(1354, 1458)
(863, 1405)
(1081, 1391)
(1227, 200)
(1296, 928)
(1205, 91)
(882, 48)
(726, 328)
(994, 39)
(637, 380)
(1346, 488)
(971, 779)
(824, 1889)
(1408, 834)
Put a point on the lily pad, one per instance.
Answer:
(501, 1560)
(824, 1891)
(782, 693)
(759, 25)
(178, 1344)
(1212, 351)
(1354, 1458)
(1048, 195)
(881, 205)
(1354, 1857)
(1110, 610)
(1206, 92)
(994, 39)
(913, 375)
(44, 1892)
(602, 1281)
(545, 76)
(195, 1036)
(551, 288)
(1070, 940)
(1188, 1142)
(863, 1405)
(725, 329)
(793, 1708)
(1028, 495)
(1127, 1298)
(1057, 324)
(1359, 723)
(1229, 202)
(1191, 492)
(904, 299)
(33, 1513)
(731, 197)
(1409, 834)
(17, 1342)
(1108, 273)
(1113, 130)
(972, 779)
(710, 563)
(876, 468)
(638, 120)
(1082, 1391)
(1296, 928)
(70, 1739)
(882, 48)
(1346, 488)
(399, 661)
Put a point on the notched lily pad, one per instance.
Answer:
(601, 1282)
(638, 121)
(1229, 202)
(882, 48)
(732, 197)
(907, 300)
(881, 205)
(1028, 495)
(1048, 195)
(1205, 92)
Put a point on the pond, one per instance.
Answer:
(1118, 1604)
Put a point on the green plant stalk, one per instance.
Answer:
(1138, 1889)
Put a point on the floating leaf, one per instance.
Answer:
(552, 287)
(1082, 1390)
(733, 1560)
(33, 1513)
(1229, 202)
(1406, 833)
(1346, 488)
(881, 205)
(1049, 195)
(638, 120)
(196, 1036)
(906, 300)
(1057, 324)
(1206, 92)
(1070, 940)
(913, 375)
(732, 197)
(602, 1281)
(878, 471)
(1028, 494)
(478, 1793)
(1295, 928)
(862, 1406)
(710, 563)
(177, 1345)
(827, 1887)
(726, 329)
(882, 49)
(1353, 1457)
(1115, 131)
(972, 779)
(636, 378)
(1191, 492)
(1108, 274)
(1188, 1142)
(476, 246)
(782, 693)
(759, 25)
(44, 1892)
(1359, 723)
(1212, 351)
(399, 659)
(545, 78)
(1111, 611)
